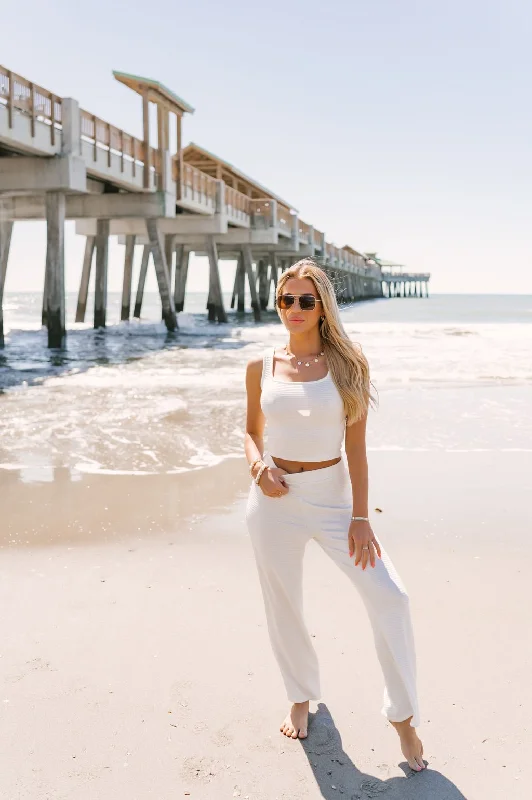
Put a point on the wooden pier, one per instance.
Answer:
(60, 162)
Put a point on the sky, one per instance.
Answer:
(395, 126)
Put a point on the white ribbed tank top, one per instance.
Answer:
(305, 420)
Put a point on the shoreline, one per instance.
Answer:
(103, 508)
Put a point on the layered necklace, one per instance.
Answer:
(314, 357)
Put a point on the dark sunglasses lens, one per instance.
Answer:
(307, 302)
(285, 300)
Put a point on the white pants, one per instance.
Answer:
(318, 505)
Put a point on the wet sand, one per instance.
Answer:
(135, 661)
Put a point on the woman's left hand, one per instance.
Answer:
(361, 536)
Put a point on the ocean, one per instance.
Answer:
(452, 373)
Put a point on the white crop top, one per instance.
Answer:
(305, 420)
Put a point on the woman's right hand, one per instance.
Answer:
(272, 483)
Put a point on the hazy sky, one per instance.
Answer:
(396, 126)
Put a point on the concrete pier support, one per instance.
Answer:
(215, 303)
(81, 307)
(161, 271)
(44, 299)
(181, 274)
(239, 286)
(263, 283)
(128, 278)
(248, 266)
(274, 269)
(169, 247)
(100, 280)
(55, 268)
(142, 280)
(6, 230)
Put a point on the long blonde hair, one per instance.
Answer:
(348, 365)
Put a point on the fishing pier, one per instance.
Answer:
(60, 162)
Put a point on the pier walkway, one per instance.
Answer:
(59, 161)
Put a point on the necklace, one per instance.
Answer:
(314, 357)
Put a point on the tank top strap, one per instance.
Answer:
(267, 364)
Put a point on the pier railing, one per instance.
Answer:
(114, 141)
(194, 187)
(304, 232)
(317, 237)
(261, 213)
(237, 205)
(284, 219)
(40, 105)
(30, 99)
(388, 275)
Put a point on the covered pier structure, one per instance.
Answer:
(60, 162)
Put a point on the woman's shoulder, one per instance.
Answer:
(255, 364)
(257, 361)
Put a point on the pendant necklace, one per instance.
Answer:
(316, 357)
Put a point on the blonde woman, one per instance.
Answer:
(313, 396)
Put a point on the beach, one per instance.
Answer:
(135, 661)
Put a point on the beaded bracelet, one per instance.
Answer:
(362, 519)
(259, 473)
(251, 466)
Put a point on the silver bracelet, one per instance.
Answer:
(362, 519)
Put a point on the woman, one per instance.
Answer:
(313, 395)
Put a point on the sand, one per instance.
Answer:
(135, 661)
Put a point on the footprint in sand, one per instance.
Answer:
(373, 788)
(222, 738)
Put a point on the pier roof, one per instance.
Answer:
(382, 261)
(218, 168)
(158, 92)
(353, 251)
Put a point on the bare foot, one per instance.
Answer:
(411, 744)
(296, 721)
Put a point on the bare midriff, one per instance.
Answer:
(303, 466)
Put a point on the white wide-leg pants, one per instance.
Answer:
(318, 505)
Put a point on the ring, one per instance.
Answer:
(365, 548)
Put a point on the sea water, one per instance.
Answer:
(452, 372)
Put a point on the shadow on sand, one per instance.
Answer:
(337, 776)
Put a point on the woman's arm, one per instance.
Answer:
(271, 481)
(355, 450)
(360, 533)
(253, 442)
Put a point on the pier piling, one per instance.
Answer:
(263, 283)
(100, 281)
(6, 230)
(128, 277)
(181, 274)
(274, 266)
(247, 257)
(81, 307)
(239, 286)
(215, 304)
(55, 268)
(142, 280)
(161, 271)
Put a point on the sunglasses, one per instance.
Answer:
(307, 302)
